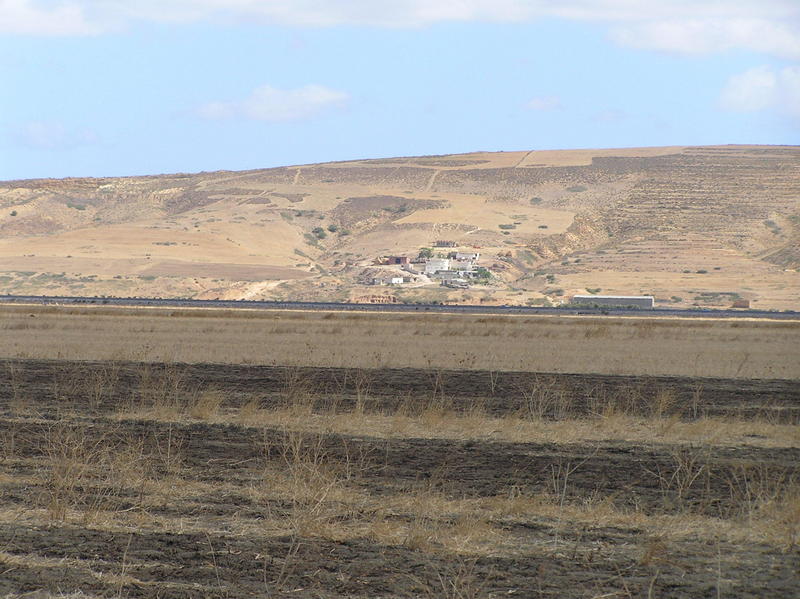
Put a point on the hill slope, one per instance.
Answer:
(694, 225)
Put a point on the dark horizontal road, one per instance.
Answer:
(412, 308)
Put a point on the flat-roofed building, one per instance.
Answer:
(434, 265)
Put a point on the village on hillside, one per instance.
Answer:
(442, 264)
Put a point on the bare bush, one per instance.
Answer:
(543, 398)
(88, 474)
(207, 405)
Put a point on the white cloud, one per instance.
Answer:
(544, 103)
(43, 135)
(686, 26)
(764, 88)
(610, 115)
(26, 17)
(703, 36)
(267, 103)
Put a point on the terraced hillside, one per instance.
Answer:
(703, 226)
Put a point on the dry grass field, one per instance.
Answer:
(202, 453)
(692, 226)
(731, 348)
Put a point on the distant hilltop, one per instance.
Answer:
(704, 226)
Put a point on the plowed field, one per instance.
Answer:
(167, 480)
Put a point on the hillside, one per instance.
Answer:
(690, 225)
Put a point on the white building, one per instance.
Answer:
(463, 265)
(434, 265)
(388, 280)
(467, 256)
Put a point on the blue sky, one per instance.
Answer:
(97, 88)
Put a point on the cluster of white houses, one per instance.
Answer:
(456, 270)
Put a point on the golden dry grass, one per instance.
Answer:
(733, 348)
(323, 496)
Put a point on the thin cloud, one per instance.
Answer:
(25, 17)
(544, 103)
(684, 26)
(610, 115)
(267, 103)
(692, 36)
(44, 135)
(764, 88)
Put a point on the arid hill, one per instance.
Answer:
(690, 225)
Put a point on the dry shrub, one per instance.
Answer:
(18, 403)
(438, 407)
(468, 533)
(436, 415)
(768, 500)
(421, 524)
(85, 474)
(164, 391)
(88, 474)
(312, 481)
(362, 383)
(690, 467)
(515, 502)
(654, 552)
(456, 578)
(665, 403)
(542, 398)
(249, 411)
(297, 391)
(101, 382)
(207, 405)
(779, 519)
(421, 534)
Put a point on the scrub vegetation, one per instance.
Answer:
(133, 475)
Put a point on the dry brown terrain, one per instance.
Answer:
(730, 348)
(208, 453)
(690, 225)
(151, 480)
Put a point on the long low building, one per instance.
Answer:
(618, 301)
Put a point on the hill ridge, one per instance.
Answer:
(692, 225)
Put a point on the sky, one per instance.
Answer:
(124, 87)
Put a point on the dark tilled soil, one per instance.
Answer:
(498, 392)
(634, 476)
(218, 565)
(553, 558)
